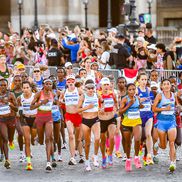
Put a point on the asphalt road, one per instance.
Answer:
(65, 173)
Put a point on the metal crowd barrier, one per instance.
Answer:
(163, 74)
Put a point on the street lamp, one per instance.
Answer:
(20, 3)
(35, 20)
(109, 18)
(132, 25)
(149, 6)
(85, 2)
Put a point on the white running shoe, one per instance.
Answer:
(72, 161)
(48, 167)
(87, 165)
(60, 159)
(124, 157)
(95, 161)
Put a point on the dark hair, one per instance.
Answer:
(3, 79)
(141, 74)
(130, 84)
(89, 81)
(161, 46)
(141, 69)
(26, 82)
(121, 77)
(165, 80)
(153, 71)
(61, 68)
(180, 74)
(82, 69)
(17, 76)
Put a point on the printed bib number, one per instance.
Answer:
(5, 110)
(55, 108)
(46, 107)
(108, 103)
(171, 112)
(133, 114)
(147, 107)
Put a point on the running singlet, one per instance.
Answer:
(133, 111)
(71, 98)
(48, 106)
(56, 114)
(146, 103)
(5, 74)
(61, 85)
(91, 100)
(167, 115)
(26, 105)
(4, 107)
(108, 101)
(39, 84)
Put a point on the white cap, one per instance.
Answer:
(141, 39)
(51, 36)
(67, 64)
(114, 30)
(153, 84)
(71, 76)
(152, 46)
(105, 80)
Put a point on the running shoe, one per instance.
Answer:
(137, 162)
(118, 154)
(172, 166)
(87, 165)
(110, 160)
(22, 158)
(81, 161)
(48, 167)
(95, 161)
(60, 159)
(1, 158)
(54, 163)
(124, 157)
(156, 159)
(128, 166)
(145, 161)
(64, 146)
(7, 164)
(29, 167)
(104, 163)
(11, 145)
(149, 160)
(72, 161)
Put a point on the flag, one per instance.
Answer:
(130, 75)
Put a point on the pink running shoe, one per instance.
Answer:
(137, 163)
(128, 166)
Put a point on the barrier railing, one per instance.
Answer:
(106, 72)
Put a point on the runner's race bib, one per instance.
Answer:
(134, 114)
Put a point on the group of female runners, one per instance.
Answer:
(145, 112)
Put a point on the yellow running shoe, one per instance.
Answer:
(118, 154)
(149, 160)
(145, 161)
(29, 167)
(11, 145)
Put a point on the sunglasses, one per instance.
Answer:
(69, 68)
(90, 88)
(36, 71)
(21, 69)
